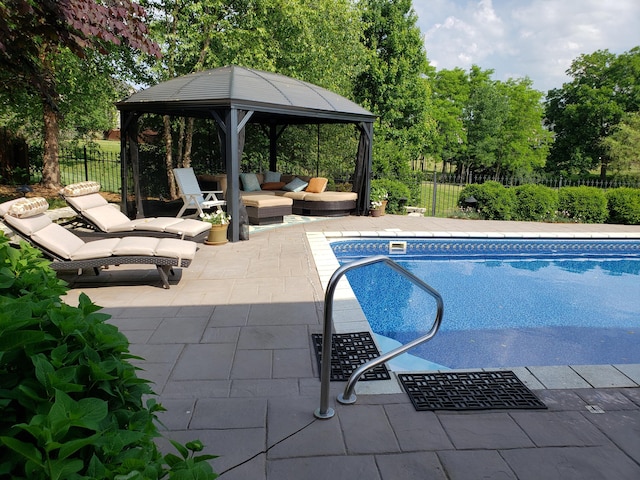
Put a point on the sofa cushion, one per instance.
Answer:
(250, 182)
(270, 177)
(317, 185)
(330, 197)
(272, 185)
(295, 185)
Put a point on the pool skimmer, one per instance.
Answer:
(397, 247)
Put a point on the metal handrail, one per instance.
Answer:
(348, 397)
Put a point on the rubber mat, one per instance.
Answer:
(468, 391)
(348, 352)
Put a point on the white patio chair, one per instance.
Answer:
(192, 196)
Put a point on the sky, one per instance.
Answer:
(516, 38)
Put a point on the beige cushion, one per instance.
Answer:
(174, 248)
(82, 188)
(28, 207)
(58, 240)
(330, 196)
(266, 201)
(97, 249)
(109, 219)
(85, 202)
(28, 226)
(188, 227)
(143, 246)
(295, 195)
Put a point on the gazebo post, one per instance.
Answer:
(232, 163)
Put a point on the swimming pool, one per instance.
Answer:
(508, 303)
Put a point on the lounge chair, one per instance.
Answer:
(192, 196)
(103, 219)
(27, 218)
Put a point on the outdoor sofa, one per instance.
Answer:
(305, 195)
(27, 218)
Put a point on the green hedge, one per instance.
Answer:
(624, 205)
(530, 202)
(583, 204)
(493, 200)
(397, 193)
(535, 203)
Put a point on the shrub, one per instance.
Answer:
(494, 201)
(583, 204)
(624, 205)
(535, 202)
(397, 193)
(72, 405)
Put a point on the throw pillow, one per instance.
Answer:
(28, 207)
(295, 185)
(250, 182)
(271, 177)
(82, 188)
(272, 185)
(317, 185)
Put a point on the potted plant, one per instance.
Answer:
(378, 197)
(219, 221)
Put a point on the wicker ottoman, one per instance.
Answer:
(266, 209)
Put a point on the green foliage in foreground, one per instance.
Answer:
(72, 404)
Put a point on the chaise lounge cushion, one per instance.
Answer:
(109, 219)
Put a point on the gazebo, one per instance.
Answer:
(234, 96)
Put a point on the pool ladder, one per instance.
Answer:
(348, 396)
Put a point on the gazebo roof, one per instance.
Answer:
(269, 95)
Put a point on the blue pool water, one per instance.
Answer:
(507, 303)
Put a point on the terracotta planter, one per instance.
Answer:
(217, 235)
(376, 212)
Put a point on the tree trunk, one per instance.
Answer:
(188, 143)
(50, 161)
(173, 192)
(46, 85)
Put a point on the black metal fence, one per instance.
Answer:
(81, 164)
(439, 195)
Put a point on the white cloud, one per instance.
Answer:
(517, 38)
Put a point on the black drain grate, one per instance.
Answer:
(468, 391)
(348, 352)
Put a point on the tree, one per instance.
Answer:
(450, 94)
(394, 85)
(623, 145)
(316, 42)
(34, 32)
(583, 112)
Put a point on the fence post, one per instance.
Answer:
(86, 164)
(435, 196)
